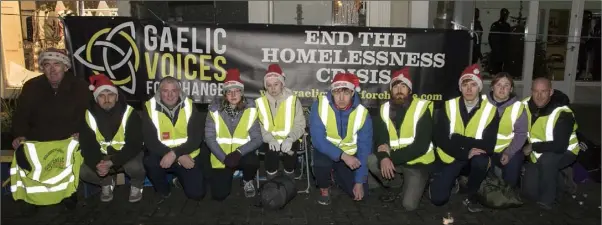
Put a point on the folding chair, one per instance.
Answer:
(303, 155)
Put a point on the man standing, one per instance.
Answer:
(403, 143)
(282, 123)
(50, 109)
(173, 132)
(233, 136)
(110, 140)
(552, 140)
(341, 132)
(465, 135)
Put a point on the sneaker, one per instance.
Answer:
(472, 205)
(160, 198)
(456, 188)
(324, 198)
(135, 194)
(389, 196)
(544, 206)
(249, 189)
(107, 192)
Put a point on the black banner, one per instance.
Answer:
(135, 54)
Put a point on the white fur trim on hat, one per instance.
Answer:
(52, 55)
(344, 84)
(102, 88)
(233, 84)
(403, 79)
(273, 75)
(472, 77)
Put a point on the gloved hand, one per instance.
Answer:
(286, 146)
(274, 146)
(232, 159)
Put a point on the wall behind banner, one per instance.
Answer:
(136, 54)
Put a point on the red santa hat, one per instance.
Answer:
(474, 73)
(100, 83)
(402, 75)
(346, 80)
(233, 80)
(274, 72)
(54, 54)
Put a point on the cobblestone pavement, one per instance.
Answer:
(302, 210)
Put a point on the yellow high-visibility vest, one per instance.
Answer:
(280, 125)
(178, 133)
(356, 121)
(403, 137)
(230, 142)
(54, 173)
(118, 140)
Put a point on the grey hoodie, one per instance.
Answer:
(299, 124)
(231, 123)
(520, 127)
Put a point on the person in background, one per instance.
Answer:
(341, 133)
(465, 135)
(233, 135)
(111, 140)
(403, 137)
(173, 133)
(282, 123)
(51, 108)
(553, 143)
(512, 132)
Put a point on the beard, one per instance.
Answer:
(398, 98)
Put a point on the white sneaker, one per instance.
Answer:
(106, 194)
(135, 194)
(249, 189)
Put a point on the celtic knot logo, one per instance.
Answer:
(104, 39)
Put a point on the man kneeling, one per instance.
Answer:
(110, 140)
(404, 128)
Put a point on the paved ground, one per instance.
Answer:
(302, 210)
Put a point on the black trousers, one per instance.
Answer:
(191, 179)
(272, 158)
(541, 178)
(221, 179)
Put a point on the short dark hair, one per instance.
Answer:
(501, 75)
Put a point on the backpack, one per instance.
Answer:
(277, 192)
(495, 193)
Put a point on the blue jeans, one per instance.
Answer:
(441, 186)
(512, 170)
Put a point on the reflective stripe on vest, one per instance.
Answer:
(475, 127)
(178, 133)
(118, 140)
(506, 129)
(281, 125)
(230, 142)
(356, 122)
(407, 132)
(55, 168)
(542, 130)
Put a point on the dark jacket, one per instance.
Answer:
(422, 140)
(194, 129)
(108, 123)
(231, 123)
(459, 146)
(562, 129)
(317, 131)
(45, 115)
